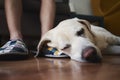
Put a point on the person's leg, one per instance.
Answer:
(15, 46)
(13, 9)
(47, 15)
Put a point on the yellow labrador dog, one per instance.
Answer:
(78, 39)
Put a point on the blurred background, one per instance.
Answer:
(105, 12)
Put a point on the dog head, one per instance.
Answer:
(74, 38)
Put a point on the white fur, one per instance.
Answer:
(64, 33)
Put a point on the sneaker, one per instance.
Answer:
(53, 52)
(14, 48)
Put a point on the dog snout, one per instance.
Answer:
(90, 54)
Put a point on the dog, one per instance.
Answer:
(79, 39)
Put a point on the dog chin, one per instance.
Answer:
(93, 59)
(84, 60)
(79, 59)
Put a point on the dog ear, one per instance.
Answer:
(84, 22)
(41, 47)
(87, 25)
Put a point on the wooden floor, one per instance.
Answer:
(60, 69)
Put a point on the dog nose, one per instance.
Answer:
(90, 54)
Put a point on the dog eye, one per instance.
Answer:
(79, 33)
(67, 46)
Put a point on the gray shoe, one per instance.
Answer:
(14, 48)
(53, 52)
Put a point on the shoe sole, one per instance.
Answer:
(13, 56)
(56, 56)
